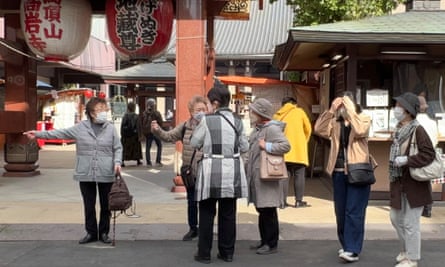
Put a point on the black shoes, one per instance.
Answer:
(202, 259)
(266, 250)
(227, 258)
(88, 239)
(105, 239)
(301, 204)
(256, 245)
(426, 213)
(190, 235)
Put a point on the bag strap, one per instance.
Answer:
(412, 141)
(234, 128)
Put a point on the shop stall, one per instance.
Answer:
(62, 109)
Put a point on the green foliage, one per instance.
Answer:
(311, 12)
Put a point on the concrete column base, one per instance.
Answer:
(178, 185)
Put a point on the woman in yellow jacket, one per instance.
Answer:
(298, 131)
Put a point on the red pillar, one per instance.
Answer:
(191, 68)
(20, 108)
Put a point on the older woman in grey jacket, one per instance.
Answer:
(98, 158)
(267, 196)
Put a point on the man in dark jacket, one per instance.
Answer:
(150, 114)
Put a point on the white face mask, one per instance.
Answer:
(101, 117)
(399, 113)
(198, 116)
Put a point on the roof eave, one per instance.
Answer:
(366, 37)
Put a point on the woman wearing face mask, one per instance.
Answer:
(347, 129)
(198, 108)
(98, 159)
(408, 196)
(266, 196)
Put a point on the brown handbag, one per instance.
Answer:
(272, 167)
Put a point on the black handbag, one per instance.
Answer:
(188, 178)
(361, 174)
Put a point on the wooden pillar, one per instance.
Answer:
(191, 68)
(20, 108)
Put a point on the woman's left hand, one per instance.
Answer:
(117, 169)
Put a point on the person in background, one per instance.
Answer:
(129, 136)
(298, 131)
(348, 131)
(221, 179)
(183, 132)
(430, 126)
(408, 196)
(98, 160)
(267, 196)
(150, 114)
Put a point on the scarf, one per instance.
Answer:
(400, 136)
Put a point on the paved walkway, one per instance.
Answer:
(41, 219)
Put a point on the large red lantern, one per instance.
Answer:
(139, 29)
(56, 29)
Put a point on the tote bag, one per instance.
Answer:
(433, 170)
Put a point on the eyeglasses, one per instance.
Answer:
(100, 109)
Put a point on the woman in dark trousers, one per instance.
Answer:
(183, 132)
(221, 179)
(98, 159)
(267, 196)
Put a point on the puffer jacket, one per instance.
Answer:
(96, 156)
(180, 134)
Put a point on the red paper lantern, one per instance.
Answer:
(88, 94)
(139, 29)
(101, 95)
(57, 29)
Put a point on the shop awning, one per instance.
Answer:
(308, 46)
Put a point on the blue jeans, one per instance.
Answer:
(350, 203)
(148, 141)
(192, 209)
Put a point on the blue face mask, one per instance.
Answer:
(101, 117)
(198, 116)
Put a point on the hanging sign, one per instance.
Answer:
(53, 29)
(236, 9)
(139, 29)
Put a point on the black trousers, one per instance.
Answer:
(88, 190)
(226, 226)
(268, 226)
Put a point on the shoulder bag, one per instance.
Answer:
(359, 174)
(188, 179)
(423, 174)
(272, 167)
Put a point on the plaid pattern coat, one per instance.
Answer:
(221, 171)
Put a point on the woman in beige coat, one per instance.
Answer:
(266, 196)
(348, 132)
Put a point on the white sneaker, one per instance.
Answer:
(407, 263)
(401, 256)
(340, 251)
(349, 256)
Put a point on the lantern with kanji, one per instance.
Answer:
(139, 29)
(56, 30)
